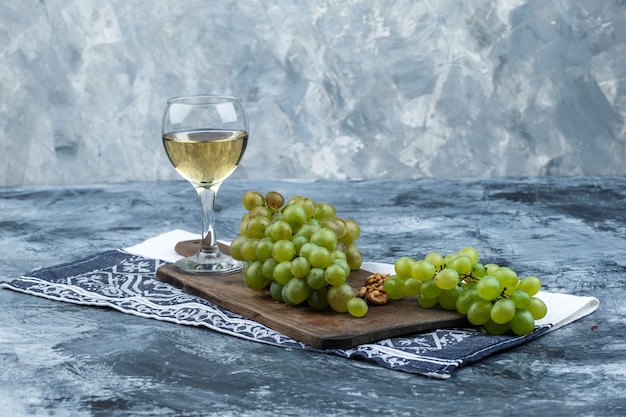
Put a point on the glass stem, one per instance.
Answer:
(208, 246)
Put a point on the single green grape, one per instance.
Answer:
(263, 249)
(488, 288)
(491, 268)
(353, 231)
(260, 211)
(537, 308)
(338, 297)
(300, 267)
(276, 291)
(325, 238)
(435, 259)
(496, 329)
(461, 264)
(315, 278)
(248, 249)
(320, 257)
(520, 298)
(357, 307)
(403, 265)
(508, 279)
(295, 215)
(335, 274)
(318, 299)
(447, 279)
(448, 298)
(235, 247)
(268, 268)
(253, 276)
(466, 299)
(394, 287)
(530, 285)
(423, 270)
(354, 256)
(479, 312)
(282, 272)
(296, 291)
(479, 270)
(324, 211)
(337, 225)
(281, 230)
(429, 289)
(283, 250)
(523, 323)
(411, 287)
(255, 227)
(503, 311)
(252, 199)
(426, 302)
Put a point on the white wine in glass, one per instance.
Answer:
(205, 137)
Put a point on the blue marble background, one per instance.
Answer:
(352, 89)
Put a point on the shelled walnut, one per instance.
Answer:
(372, 292)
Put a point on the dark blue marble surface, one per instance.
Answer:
(62, 359)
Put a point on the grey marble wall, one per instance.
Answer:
(334, 89)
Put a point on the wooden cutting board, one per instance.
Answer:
(323, 330)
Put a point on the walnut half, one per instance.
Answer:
(372, 292)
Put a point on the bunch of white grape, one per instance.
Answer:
(299, 249)
(490, 295)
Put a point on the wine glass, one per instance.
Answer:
(205, 137)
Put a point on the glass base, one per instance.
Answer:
(198, 264)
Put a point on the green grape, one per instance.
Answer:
(423, 270)
(530, 285)
(335, 274)
(320, 257)
(268, 268)
(354, 256)
(295, 215)
(243, 227)
(263, 250)
(495, 328)
(248, 249)
(394, 287)
(339, 254)
(471, 253)
(324, 211)
(479, 270)
(260, 211)
(318, 299)
(296, 291)
(537, 308)
(466, 299)
(274, 199)
(491, 268)
(325, 238)
(235, 247)
(479, 312)
(307, 230)
(411, 286)
(429, 289)
(315, 278)
(357, 307)
(447, 299)
(307, 204)
(338, 297)
(447, 260)
(255, 227)
(435, 259)
(461, 264)
(252, 199)
(281, 230)
(283, 250)
(282, 272)
(299, 241)
(403, 266)
(353, 231)
(276, 291)
(508, 279)
(523, 323)
(253, 276)
(520, 298)
(425, 302)
(447, 279)
(503, 311)
(300, 267)
(488, 288)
